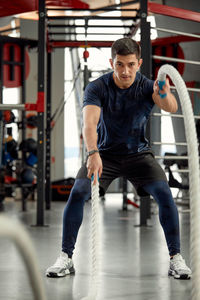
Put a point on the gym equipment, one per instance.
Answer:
(181, 163)
(2, 186)
(31, 145)
(126, 201)
(8, 117)
(31, 160)
(23, 146)
(11, 148)
(31, 121)
(27, 175)
(28, 145)
(95, 242)
(16, 232)
(62, 188)
(1, 137)
(170, 162)
(194, 178)
(174, 183)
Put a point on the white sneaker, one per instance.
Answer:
(62, 267)
(178, 268)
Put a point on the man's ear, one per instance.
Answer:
(140, 63)
(111, 63)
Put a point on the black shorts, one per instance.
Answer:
(140, 169)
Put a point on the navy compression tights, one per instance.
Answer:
(73, 213)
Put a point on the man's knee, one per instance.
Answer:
(81, 189)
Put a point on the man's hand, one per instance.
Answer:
(165, 88)
(168, 103)
(94, 166)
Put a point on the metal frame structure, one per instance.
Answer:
(48, 193)
(146, 53)
(146, 69)
(23, 43)
(173, 12)
(39, 106)
(41, 145)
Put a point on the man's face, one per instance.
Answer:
(125, 68)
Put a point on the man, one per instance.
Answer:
(116, 108)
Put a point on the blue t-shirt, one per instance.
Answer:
(124, 113)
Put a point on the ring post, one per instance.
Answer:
(194, 173)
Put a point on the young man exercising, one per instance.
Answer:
(116, 109)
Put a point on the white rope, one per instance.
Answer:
(194, 178)
(16, 232)
(95, 243)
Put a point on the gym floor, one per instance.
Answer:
(134, 260)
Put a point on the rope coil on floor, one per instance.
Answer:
(95, 243)
(15, 232)
(194, 177)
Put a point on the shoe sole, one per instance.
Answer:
(176, 276)
(67, 272)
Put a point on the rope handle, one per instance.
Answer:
(161, 83)
(92, 177)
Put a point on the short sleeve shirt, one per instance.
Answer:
(124, 113)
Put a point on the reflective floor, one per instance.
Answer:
(134, 260)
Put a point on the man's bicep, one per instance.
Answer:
(91, 114)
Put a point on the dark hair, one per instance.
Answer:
(125, 46)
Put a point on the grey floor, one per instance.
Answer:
(134, 260)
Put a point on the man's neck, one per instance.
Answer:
(119, 84)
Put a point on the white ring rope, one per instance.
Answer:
(95, 243)
(194, 177)
(16, 232)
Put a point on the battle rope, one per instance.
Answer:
(16, 232)
(95, 242)
(194, 174)
(193, 161)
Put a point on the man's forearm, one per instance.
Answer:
(168, 103)
(90, 137)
